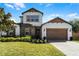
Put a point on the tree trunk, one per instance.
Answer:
(7, 33)
(0, 33)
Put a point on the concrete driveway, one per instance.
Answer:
(69, 48)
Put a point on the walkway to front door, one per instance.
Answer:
(69, 48)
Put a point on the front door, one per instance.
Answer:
(27, 31)
(37, 33)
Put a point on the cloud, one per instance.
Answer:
(50, 16)
(17, 6)
(40, 3)
(54, 15)
(9, 5)
(13, 20)
(21, 5)
(72, 15)
(66, 17)
(47, 5)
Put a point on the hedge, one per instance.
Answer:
(7, 39)
(22, 39)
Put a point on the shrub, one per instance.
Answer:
(3, 39)
(8, 39)
(33, 40)
(21, 38)
(16, 39)
(26, 38)
(13, 39)
(45, 41)
(41, 41)
(37, 41)
(0, 39)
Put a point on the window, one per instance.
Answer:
(33, 18)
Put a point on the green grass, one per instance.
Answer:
(28, 49)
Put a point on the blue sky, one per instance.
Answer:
(67, 11)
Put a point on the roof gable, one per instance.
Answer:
(33, 10)
(57, 20)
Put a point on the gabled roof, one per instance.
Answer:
(57, 20)
(33, 10)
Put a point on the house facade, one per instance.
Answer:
(55, 29)
(31, 21)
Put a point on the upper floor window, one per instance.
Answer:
(32, 18)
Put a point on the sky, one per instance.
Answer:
(66, 11)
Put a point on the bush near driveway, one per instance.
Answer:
(39, 41)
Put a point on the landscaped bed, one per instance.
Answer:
(28, 49)
(22, 39)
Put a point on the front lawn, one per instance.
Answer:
(28, 49)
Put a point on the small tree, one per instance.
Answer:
(75, 24)
(10, 26)
(5, 23)
(2, 28)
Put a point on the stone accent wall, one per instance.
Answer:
(33, 30)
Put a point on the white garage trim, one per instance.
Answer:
(59, 26)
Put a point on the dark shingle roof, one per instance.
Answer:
(33, 10)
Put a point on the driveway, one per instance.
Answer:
(69, 48)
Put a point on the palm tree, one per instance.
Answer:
(1, 17)
(2, 13)
(10, 26)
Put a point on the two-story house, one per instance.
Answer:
(31, 21)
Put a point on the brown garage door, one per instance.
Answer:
(57, 34)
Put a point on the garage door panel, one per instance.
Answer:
(57, 34)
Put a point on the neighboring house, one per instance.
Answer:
(31, 24)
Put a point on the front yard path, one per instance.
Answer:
(69, 48)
